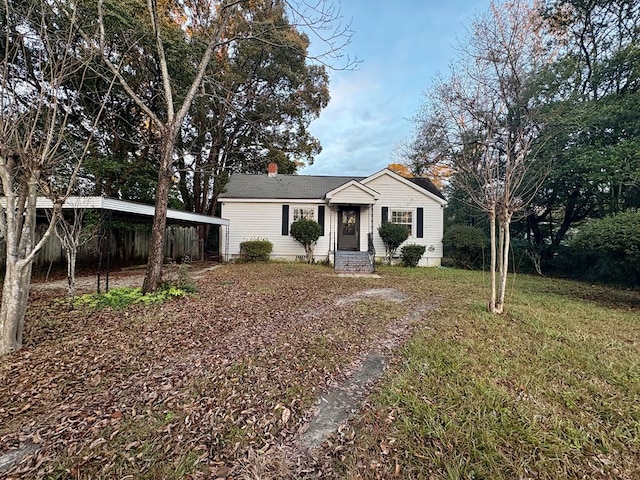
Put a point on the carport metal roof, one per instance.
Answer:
(124, 208)
(134, 208)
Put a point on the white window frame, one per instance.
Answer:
(399, 212)
(303, 212)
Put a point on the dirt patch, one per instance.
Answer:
(389, 294)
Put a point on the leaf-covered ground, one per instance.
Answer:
(191, 388)
(224, 384)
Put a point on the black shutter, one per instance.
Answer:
(385, 214)
(420, 223)
(285, 219)
(321, 219)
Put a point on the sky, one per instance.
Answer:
(402, 45)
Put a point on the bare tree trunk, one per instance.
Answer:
(15, 296)
(492, 235)
(153, 276)
(71, 254)
(498, 308)
(504, 268)
(18, 226)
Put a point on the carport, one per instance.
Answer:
(112, 209)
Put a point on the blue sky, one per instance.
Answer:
(403, 44)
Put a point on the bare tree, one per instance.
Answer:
(485, 120)
(209, 25)
(39, 151)
(74, 232)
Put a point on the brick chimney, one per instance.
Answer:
(273, 169)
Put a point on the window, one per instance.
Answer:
(403, 217)
(300, 213)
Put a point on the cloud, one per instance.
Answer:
(349, 128)
(403, 45)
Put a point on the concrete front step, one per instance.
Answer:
(352, 262)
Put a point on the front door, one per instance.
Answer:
(349, 228)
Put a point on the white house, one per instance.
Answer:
(348, 209)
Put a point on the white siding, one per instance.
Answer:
(259, 220)
(397, 195)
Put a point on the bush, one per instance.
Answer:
(608, 249)
(464, 245)
(306, 232)
(411, 254)
(255, 250)
(392, 235)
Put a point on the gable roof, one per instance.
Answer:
(426, 184)
(352, 186)
(264, 187)
(242, 185)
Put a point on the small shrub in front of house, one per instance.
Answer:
(255, 250)
(392, 235)
(306, 232)
(411, 254)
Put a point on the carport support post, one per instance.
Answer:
(101, 241)
(106, 286)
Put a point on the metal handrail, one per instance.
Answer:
(371, 250)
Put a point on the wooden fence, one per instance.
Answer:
(119, 246)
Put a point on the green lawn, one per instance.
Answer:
(549, 390)
(219, 384)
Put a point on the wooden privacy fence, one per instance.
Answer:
(120, 246)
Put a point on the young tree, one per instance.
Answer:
(485, 121)
(73, 233)
(40, 76)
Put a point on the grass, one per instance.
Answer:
(181, 389)
(549, 390)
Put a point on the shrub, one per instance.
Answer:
(306, 232)
(392, 235)
(464, 245)
(411, 254)
(609, 249)
(255, 250)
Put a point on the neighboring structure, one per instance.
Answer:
(349, 210)
(119, 219)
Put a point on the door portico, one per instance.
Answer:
(351, 203)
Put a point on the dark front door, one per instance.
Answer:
(349, 228)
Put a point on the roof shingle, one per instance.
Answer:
(242, 185)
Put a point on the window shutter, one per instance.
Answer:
(285, 219)
(385, 214)
(321, 219)
(420, 223)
